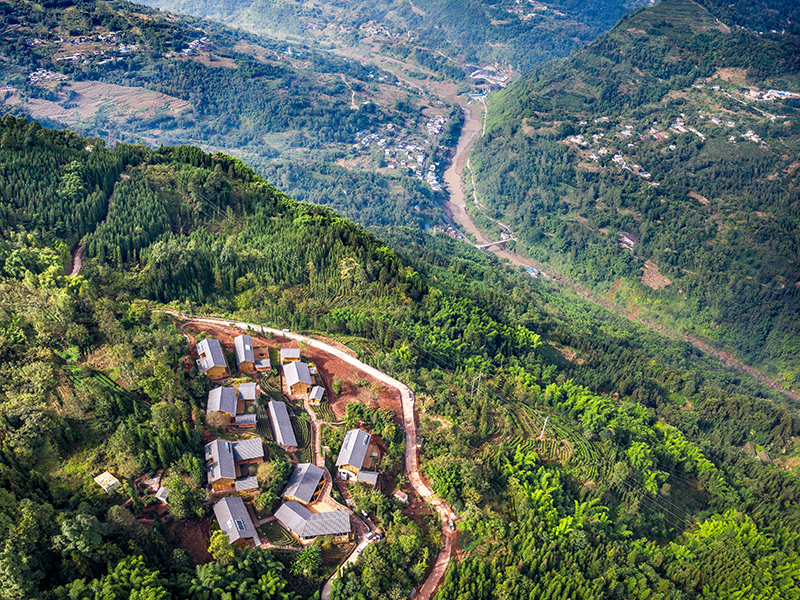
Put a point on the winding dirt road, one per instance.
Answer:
(428, 588)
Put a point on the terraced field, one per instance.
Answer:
(277, 535)
(324, 412)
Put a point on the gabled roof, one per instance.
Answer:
(246, 483)
(107, 481)
(354, 448)
(234, 520)
(317, 392)
(246, 419)
(219, 457)
(162, 494)
(296, 372)
(222, 399)
(370, 477)
(247, 391)
(248, 449)
(304, 523)
(304, 482)
(284, 434)
(244, 349)
(263, 363)
(210, 352)
(290, 353)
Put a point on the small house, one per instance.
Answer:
(355, 454)
(224, 460)
(247, 420)
(107, 481)
(234, 520)
(307, 525)
(224, 400)
(245, 357)
(162, 495)
(317, 394)
(282, 425)
(248, 392)
(289, 355)
(211, 359)
(305, 484)
(298, 377)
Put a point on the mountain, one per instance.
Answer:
(658, 165)
(585, 455)
(519, 34)
(127, 72)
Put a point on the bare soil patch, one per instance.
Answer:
(193, 536)
(701, 199)
(652, 278)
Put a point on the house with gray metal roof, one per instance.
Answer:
(245, 357)
(282, 425)
(368, 477)
(298, 377)
(211, 359)
(245, 484)
(222, 399)
(289, 355)
(223, 459)
(220, 465)
(247, 420)
(248, 391)
(234, 519)
(304, 483)
(305, 524)
(353, 453)
(317, 394)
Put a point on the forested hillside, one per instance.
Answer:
(644, 483)
(679, 129)
(509, 32)
(129, 73)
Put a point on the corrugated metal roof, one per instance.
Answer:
(247, 391)
(246, 483)
(222, 399)
(354, 449)
(304, 482)
(290, 353)
(234, 520)
(210, 352)
(263, 364)
(248, 449)
(317, 392)
(296, 372)
(281, 424)
(304, 523)
(220, 461)
(246, 419)
(370, 477)
(244, 349)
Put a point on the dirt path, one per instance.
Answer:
(412, 447)
(353, 103)
(77, 263)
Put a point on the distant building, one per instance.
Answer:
(305, 484)
(234, 520)
(245, 357)
(298, 377)
(107, 481)
(162, 495)
(356, 453)
(248, 420)
(211, 358)
(626, 240)
(306, 525)
(282, 425)
(289, 355)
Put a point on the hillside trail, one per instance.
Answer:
(428, 588)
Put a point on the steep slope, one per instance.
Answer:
(666, 130)
(533, 405)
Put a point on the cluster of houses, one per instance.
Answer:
(43, 75)
(304, 512)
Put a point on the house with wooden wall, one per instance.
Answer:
(234, 520)
(245, 356)
(282, 425)
(297, 377)
(211, 358)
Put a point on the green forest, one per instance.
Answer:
(645, 484)
(664, 130)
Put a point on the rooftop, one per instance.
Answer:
(244, 348)
(222, 399)
(296, 372)
(304, 482)
(354, 449)
(234, 520)
(281, 424)
(210, 352)
(247, 391)
(306, 524)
